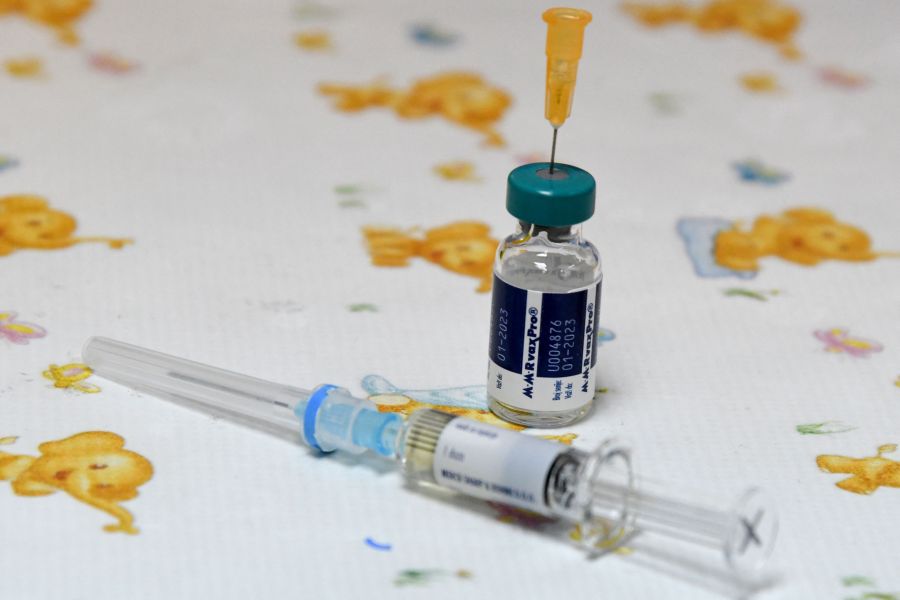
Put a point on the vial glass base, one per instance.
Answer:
(541, 419)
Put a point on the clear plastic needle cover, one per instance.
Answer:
(597, 490)
(250, 401)
(327, 418)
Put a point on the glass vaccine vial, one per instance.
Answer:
(546, 300)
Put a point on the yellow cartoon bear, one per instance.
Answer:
(404, 405)
(767, 20)
(28, 222)
(464, 247)
(866, 474)
(92, 467)
(58, 14)
(804, 236)
(462, 98)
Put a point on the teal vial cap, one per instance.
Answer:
(564, 197)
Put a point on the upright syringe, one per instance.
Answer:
(565, 38)
(595, 490)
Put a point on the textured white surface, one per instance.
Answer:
(220, 159)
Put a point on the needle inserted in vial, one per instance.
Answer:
(553, 151)
(565, 37)
(595, 490)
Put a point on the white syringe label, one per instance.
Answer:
(495, 464)
(542, 353)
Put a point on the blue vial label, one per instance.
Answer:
(542, 348)
(562, 334)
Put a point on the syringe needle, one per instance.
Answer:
(553, 150)
(565, 37)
